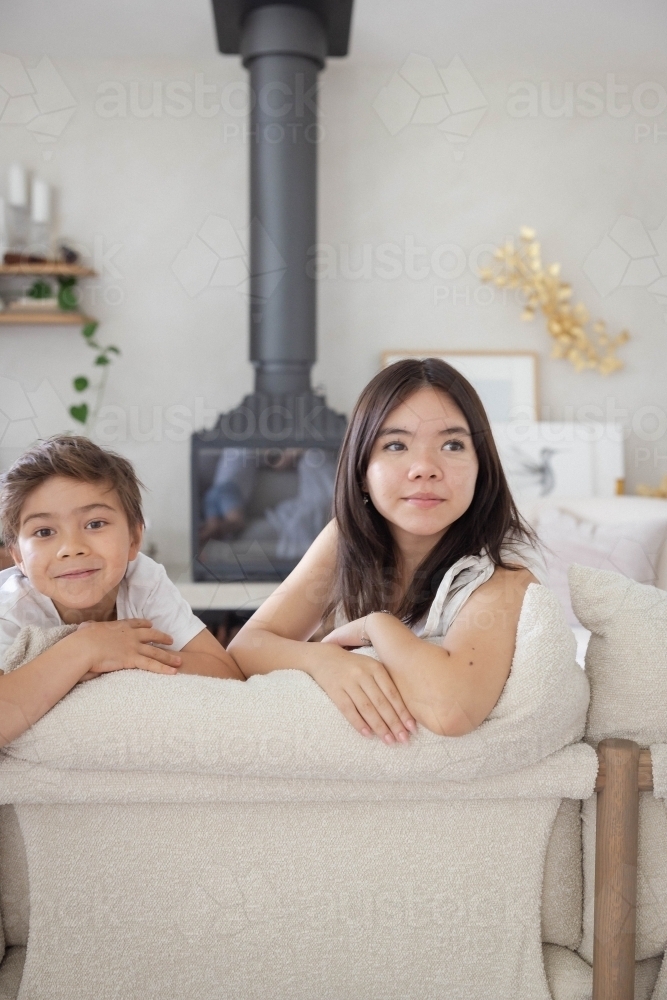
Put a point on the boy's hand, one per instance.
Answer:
(125, 645)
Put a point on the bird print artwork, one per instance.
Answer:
(535, 470)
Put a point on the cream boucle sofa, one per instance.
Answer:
(317, 865)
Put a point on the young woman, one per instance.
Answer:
(426, 561)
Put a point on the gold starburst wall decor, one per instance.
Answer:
(522, 268)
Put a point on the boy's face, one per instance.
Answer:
(74, 543)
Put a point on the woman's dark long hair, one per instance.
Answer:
(367, 565)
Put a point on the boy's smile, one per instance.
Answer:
(74, 544)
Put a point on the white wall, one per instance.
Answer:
(139, 188)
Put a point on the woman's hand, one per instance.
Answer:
(365, 693)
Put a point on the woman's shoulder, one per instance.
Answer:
(330, 531)
(317, 565)
(516, 576)
(325, 545)
(523, 553)
(516, 569)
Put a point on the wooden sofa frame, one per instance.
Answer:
(624, 771)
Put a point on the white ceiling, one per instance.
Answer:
(381, 29)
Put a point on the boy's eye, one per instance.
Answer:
(96, 524)
(43, 532)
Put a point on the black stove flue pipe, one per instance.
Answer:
(283, 46)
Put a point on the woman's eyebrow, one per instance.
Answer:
(385, 432)
(393, 430)
(455, 430)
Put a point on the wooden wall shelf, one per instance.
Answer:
(53, 268)
(42, 317)
(27, 317)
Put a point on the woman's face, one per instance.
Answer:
(423, 467)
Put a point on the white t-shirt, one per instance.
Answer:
(145, 592)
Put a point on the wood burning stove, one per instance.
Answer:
(262, 477)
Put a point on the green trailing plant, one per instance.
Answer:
(86, 411)
(68, 297)
(40, 289)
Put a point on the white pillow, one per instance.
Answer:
(631, 548)
(626, 659)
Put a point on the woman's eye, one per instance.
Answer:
(454, 445)
(43, 532)
(96, 524)
(394, 446)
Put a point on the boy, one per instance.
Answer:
(72, 520)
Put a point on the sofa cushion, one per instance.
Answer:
(631, 548)
(607, 511)
(570, 978)
(562, 887)
(14, 891)
(279, 901)
(11, 972)
(626, 659)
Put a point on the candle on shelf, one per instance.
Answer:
(17, 185)
(4, 239)
(40, 219)
(40, 201)
(17, 215)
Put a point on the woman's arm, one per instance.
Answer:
(452, 688)
(275, 638)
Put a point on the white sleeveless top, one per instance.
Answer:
(462, 579)
(459, 582)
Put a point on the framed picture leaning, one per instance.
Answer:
(505, 380)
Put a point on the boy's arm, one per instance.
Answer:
(168, 609)
(30, 691)
(204, 655)
(27, 693)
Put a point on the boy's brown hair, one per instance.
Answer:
(73, 457)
